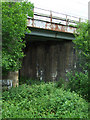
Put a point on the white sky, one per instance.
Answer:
(78, 8)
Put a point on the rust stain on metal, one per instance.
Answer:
(63, 28)
(56, 27)
(45, 25)
(52, 27)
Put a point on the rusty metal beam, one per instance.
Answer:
(50, 26)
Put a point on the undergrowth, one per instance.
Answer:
(44, 100)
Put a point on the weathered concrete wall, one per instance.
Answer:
(10, 80)
(48, 60)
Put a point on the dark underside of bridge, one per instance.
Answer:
(49, 55)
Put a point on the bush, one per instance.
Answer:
(28, 81)
(78, 82)
(43, 101)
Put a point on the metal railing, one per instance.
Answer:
(56, 17)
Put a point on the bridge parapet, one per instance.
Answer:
(55, 21)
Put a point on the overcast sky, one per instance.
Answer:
(77, 8)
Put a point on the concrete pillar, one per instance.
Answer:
(14, 77)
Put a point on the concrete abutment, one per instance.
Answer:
(48, 60)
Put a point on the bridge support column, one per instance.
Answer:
(48, 60)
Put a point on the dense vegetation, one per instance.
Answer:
(82, 45)
(14, 27)
(45, 100)
(78, 79)
(77, 82)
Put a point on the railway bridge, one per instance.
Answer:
(49, 47)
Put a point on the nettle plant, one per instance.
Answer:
(14, 27)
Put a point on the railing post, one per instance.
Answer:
(33, 18)
(66, 20)
(79, 20)
(51, 16)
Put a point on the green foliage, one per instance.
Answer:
(71, 25)
(78, 82)
(28, 81)
(14, 27)
(82, 45)
(60, 83)
(43, 101)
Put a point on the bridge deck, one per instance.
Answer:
(53, 21)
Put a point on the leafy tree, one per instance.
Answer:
(82, 45)
(14, 27)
